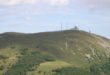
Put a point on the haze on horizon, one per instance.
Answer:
(31, 16)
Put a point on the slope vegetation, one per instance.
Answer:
(71, 47)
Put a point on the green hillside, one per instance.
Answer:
(30, 54)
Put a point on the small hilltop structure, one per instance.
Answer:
(75, 28)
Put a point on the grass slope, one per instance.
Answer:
(46, 68)
(78, 48)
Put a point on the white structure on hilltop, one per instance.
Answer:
(75, 28)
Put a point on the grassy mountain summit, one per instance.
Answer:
(71, 47)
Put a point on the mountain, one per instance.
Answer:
(59, 49)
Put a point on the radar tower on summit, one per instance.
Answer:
(76, 28)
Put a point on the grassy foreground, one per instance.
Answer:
(47, 68)
(53, 53)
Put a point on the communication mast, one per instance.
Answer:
(61, 27)
(89, 29)
(65, 37)
(66, 45)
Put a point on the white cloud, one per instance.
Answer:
(57, 2)
(87, 4)
(94, 4)
(17, 2)
(91, 4)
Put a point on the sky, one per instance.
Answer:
(33, 16)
